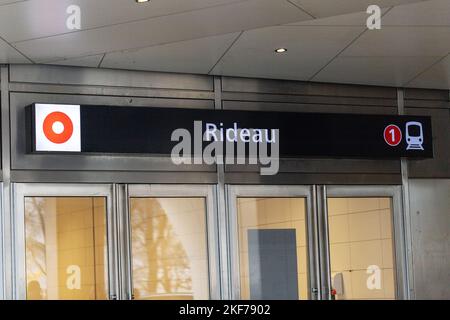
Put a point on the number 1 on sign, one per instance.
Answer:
(392, 135)
(392, 132)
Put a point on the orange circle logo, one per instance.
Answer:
(58, 128)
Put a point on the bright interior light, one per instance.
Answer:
(280, 50)
(141, 1)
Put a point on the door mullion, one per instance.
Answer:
(324, 249)
(124, 279)
(113, 256)
(313, 246)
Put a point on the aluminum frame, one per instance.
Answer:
(5, 147)
(307, 192)
(398, 222)
(323, 242)
(21, 191)
(406, 205)
(2, 248)
(173, 191)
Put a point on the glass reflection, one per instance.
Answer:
(272, 248)
(169, 249)
(361, 248)
(65, 248)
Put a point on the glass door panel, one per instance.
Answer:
(66, 248)
(172, 247)
(273, 244)
(272, 248)
(368, 255)
(169, 248)
(361, 247)
(65, 237)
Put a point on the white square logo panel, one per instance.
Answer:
(57, 127)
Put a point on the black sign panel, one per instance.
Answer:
(146, 130)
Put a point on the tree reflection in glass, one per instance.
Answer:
(65, 239)
(169, 248)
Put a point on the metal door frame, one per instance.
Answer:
(274, 191)
(20, 191)
(401, 256)
(119, 241)
(174, 191)
(2, 247)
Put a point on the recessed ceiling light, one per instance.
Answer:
(280, 50)
(141, 1)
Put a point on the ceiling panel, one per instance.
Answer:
(4, 2)
(428, 13)
(88, 61)
(402, 41)
(384, 71)
(193, 56)
(309, 49)
(10, 55)
(191, 36)
(327, 8)
(436, 77)
(163, 30)
(42, 18)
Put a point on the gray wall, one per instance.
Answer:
(430, 223)
(429, 196)
(434, 103)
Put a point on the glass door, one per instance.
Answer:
(173, 242)
(76, 241)
(273, 242)
(64, 242)
(366, 257)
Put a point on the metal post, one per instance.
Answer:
(222, 211)
(409, 283)
(123, 243)
(6, 212)
(313, 244)
(324, 256)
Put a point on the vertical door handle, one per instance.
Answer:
(315, 292)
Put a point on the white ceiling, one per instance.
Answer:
(327, 40)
